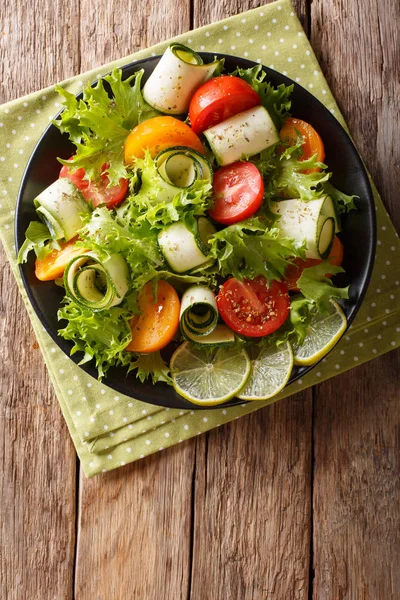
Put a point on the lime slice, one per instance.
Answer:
(209, 376)
(323, 332)
(271, 369)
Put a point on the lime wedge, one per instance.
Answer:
(209, 376)
(271, 369)
(323, 332)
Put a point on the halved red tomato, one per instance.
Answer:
(96, 193)
(218, 99)
(238, 192)
(294, 271)
(252, 307)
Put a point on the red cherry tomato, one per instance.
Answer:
(218, 99)
(251, 307)
(238, 192)
(96, 193)
(294, 271)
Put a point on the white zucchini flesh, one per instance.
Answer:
(311, 222)
(61, 205)
(199, 312)
(220, 336)
(242, 135)
(181, 249)
(176, 77)
(84, 272)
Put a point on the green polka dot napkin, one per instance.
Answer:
(111, 430)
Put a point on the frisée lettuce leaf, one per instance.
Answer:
(99, 123)
(101, 336)
(319, 289)
(151, 366)
(250, 248)
(36, 237)
(148, 205)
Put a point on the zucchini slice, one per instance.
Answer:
(60, 206)
(222, 335)
(312, 222)
(176, 77)
(178, 169)
(199, 312)
(182, 249)
(94, 284)
(242, 135)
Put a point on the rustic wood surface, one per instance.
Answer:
(299, 500)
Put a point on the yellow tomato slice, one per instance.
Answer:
(53, 266)
(158, 134)
(158, 322)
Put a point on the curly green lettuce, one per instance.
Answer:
(251, 248)
(99, 123)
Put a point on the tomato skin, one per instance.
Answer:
(312, 141)
(96, 193)
(294, 271)
(251, 308)
(158, 134)
(158, 322)
(53, 265)
(218, 99)
(238, 190)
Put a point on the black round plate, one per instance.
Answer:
(349, 175)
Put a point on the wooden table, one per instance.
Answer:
(298, 500)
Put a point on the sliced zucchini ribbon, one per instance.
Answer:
(60, 206)
(179, 168)
(314, 222)
(184, 250)
(176, 77)
(199, 318)
(244, 134)
(96, 284)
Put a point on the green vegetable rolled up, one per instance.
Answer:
(96, 284)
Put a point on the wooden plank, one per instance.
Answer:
(134, 529)
(252, 500)
(252, 506)
(356, 486)
(38, 464)
(134, 523)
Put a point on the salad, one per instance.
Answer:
(195, 217)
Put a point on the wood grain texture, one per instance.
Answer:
(134, 529)
(356, 516)
(356, 457)
(252, 509)
(214, 517)
(251, 531)
(134, 524)
(38, 461)
(364, 75)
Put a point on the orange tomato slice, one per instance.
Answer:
(158, 134)
(53, 266)
(312, 141)
(158, 322)
(294, 271)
